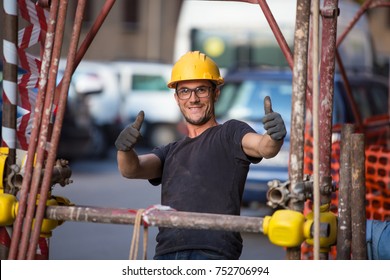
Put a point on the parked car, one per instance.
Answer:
(143, 86)
(242, 98)
(81, 136)
(95, 85)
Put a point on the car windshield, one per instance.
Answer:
(149, 83)
(245, 100)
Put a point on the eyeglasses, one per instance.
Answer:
(185, 93)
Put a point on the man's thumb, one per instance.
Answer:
(139, 120)
(267, 105)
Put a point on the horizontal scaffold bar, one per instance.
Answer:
(170, 219)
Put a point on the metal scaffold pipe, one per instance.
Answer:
(24, 219)
(316, 132)
(45, 126)
(176, 219)
(358, 196)
(298, 109)
(344, 233)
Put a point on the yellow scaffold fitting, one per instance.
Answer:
(326, 217)
(285, 228)
(288, 228)
(21, 157)
(8, 205)
(9, 208)
(3, 159)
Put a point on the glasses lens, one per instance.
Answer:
(202, 91)
(185, 93)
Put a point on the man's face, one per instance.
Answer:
(196, 110)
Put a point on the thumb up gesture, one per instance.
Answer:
(130, 135)
(273, 122)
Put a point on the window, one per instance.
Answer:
(148, 82)
(131, 13)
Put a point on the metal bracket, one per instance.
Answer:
(278, 194)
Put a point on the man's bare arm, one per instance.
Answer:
(135, 166)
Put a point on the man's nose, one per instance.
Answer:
(193, 96)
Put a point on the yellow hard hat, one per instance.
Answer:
(195, 66)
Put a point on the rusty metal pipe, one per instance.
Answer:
(358, 196)
(88, 40)
(161, 218)
(9, 87)
(344, 233)
(51, 158)
(43, 142)
(329, 31)
(298, 98)
(41, 145)
(298, 108)
(172, 219)
(380, 3)
(24, 219)
(316, 188)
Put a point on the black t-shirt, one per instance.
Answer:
(204, 174)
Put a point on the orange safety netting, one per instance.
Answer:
(377, 177)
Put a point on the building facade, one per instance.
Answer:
(145, 30)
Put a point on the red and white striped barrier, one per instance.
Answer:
(10, 62)
(28, 83)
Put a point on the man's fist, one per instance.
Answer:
(273, 122)
(130, 135)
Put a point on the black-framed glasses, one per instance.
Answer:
(185, 93)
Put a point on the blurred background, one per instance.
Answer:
(128, 64)
(126, 70)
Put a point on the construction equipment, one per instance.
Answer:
(35, 213)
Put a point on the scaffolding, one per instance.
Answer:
(42, 169)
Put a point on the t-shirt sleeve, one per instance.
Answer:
(160, 152)
(240, 130)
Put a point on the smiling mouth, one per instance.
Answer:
(195, 109)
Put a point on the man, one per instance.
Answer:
(205, 171)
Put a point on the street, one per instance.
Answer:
(99, 184)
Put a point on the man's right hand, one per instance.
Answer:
(130, 135)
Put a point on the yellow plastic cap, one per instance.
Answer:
(285, 228)
(8, 208)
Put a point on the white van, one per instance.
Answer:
(143, 86)
(235, 33)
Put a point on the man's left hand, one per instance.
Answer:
(273, 122)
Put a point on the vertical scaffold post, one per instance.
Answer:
(358, 196)
(329, 14)
(9, 93)
(298, 108)
(26, 209)
(344, 233)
